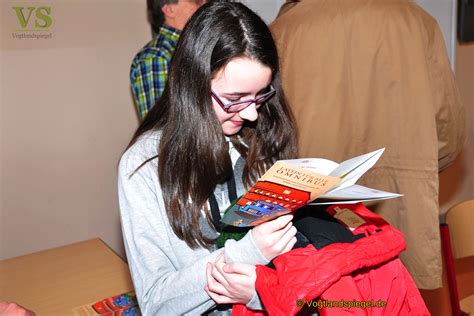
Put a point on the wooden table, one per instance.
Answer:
(53, 282)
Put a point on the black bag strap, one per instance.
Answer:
(216, 214)
(231, 189)
(232, 194)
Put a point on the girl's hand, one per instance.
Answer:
(232, 283)
(275, 237)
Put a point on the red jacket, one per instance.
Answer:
(365, 277)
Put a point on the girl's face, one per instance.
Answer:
(241, 79)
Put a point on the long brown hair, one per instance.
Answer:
(193, 153)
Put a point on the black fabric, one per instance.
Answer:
(231, 188)
(320, 228)
(215, 212)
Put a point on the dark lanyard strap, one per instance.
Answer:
(232, 193)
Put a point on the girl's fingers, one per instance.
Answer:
(240, 275)
(282, 232)
(285, 239)
(275, 225)
(213, 284)
(290, 245)
(217, 271)
(219, 275)
(219, 299)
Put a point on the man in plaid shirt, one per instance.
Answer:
(149, 68)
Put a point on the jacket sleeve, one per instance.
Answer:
(166, 280)
(450, 116)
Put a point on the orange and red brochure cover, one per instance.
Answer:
(282, 189)
(291, 184)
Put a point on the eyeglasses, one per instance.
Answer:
(237, 106)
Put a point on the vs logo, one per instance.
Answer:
(42, 15)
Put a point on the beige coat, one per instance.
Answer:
(365, 74)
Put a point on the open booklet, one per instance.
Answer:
(291, 184)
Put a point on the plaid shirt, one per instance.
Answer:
(149, 69)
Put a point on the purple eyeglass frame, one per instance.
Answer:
(257, 100)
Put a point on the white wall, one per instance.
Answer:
(267, 9)
(66, 116)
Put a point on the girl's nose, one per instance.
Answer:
(249, 113)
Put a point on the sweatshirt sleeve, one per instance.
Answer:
(169, 277)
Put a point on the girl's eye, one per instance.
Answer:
(233, 100)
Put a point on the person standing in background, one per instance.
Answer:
(365, 74)
(149, 68)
